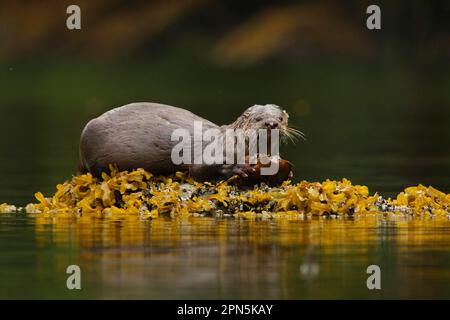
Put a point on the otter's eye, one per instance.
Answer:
(280, 118)
(258, 119)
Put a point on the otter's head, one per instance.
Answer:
(268, 116)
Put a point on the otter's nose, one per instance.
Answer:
(271, 124)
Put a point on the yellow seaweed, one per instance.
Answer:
(140, 193)
(7, 208)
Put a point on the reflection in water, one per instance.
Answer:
(228, 258)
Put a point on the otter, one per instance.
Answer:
(138, 135)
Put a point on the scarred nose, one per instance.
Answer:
(271, 124)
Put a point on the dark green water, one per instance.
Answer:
(205, 258)
(385, 125)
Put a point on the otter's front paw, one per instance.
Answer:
(251, 174)
(238, 171)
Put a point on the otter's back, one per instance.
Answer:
(137, 135)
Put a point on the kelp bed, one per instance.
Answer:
(140, 193)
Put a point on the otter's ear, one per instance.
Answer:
(287, 114)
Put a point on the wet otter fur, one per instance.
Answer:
(138, 135)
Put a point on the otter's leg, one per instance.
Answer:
(238, 170)
(82, 169)
(96, 171)
(201, 172)
(220, 172)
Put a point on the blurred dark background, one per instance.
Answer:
(374, 104)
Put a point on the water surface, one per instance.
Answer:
(206, 258)
(383, 124)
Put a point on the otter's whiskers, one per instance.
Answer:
(292, 134)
